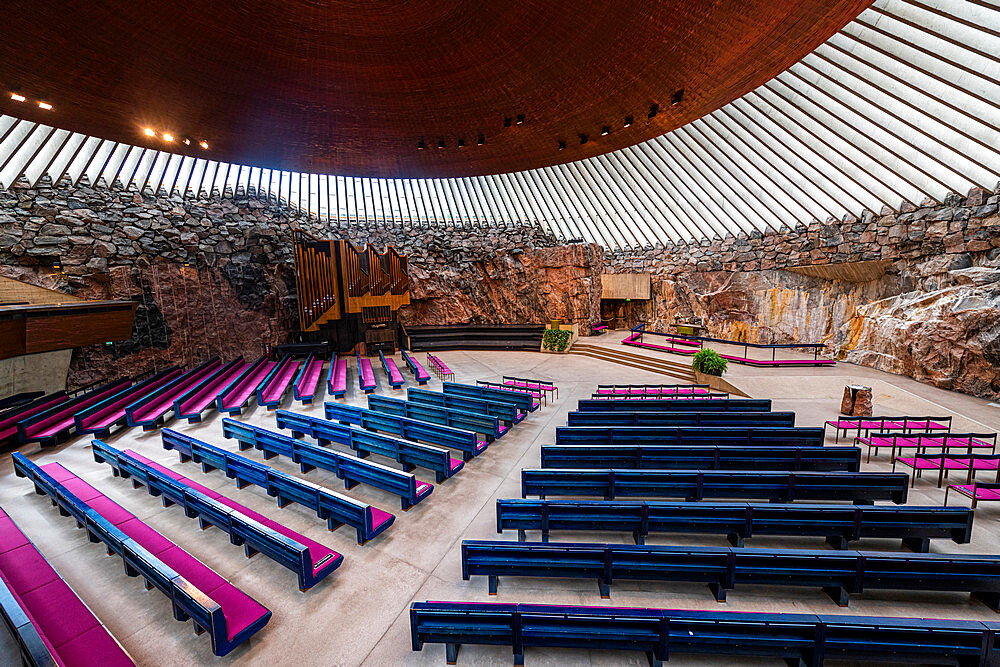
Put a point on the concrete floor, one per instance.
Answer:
(359, 615)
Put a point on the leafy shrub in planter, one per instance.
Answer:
(556, 340)
(710, 362)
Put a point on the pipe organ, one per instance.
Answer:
(336, 281)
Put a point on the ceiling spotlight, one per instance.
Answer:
(480, 140)
(506, 121)
(520, 119)
(149, 132)
(562, 145)
(204, 145)
(187, 142)
(605, 131)
(45, 105)
(461, 143)
(584, 139)
(167, 136)
(420, 145)
(677, 98)
(17, 98)
(628, 121)
(653, 110)
(440, 143)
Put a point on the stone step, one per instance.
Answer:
(666, 367)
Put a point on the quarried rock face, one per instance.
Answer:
(948, 337)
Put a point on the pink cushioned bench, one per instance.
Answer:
(151, 411)
(193, 404)
(70, 632)
(56, 423)
(244, 615)
(886, 424)
(276, 386)
(304, 389)
(652, 389)
(336, 382)
(981, 443)
(8, 424)
(944, 463)
(440, 367)
(324, 559)
(396, 379)
(236, 396)
(366, 376)
(976, 491)
(101, 418)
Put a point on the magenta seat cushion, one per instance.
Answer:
(920, 464)
(11, 536)
(25, 569)
(149, 539)
(57, 472)
(58, 613)
(93, 647)
(110, 510)
(81, 490)
(455, 464)
(197, 573)
(503, 429)
(379, 517)
(240, 610)
(423, 487)
(481, 445)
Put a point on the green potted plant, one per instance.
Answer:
(709, 362)
(556, 340)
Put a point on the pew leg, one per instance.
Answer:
(718, 590)
(653, 660)
(920, 545)
(991, 600)
(545, 537)
(333, 525)
(493, 581)
(306, 468)
(521, 535)
(451, 653)
(467, 456)
(796, 662)
(438, 476)
(350, 484)
(519, 659)
(298, 434)
(837, 541)
(838, 594)
(604, 588)
(734, 538)
(863, 501)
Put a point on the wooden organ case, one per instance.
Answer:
(350, 295)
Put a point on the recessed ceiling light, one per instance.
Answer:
(440, 143)
(584, 138)
(17, 98)
(677, 98)
(149, 132)
(187, 142)
(520, 119)
(167, 136)
(45, 105)
(204, 145)
(562, 145)
(461, 143)
(653, 110)
(605, 131)
(628, 121)
(421, 145)
(480, 140)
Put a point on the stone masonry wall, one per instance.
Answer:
(933, 315)
(214, 276)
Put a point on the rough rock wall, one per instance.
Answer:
(214, 276)
(923, 318)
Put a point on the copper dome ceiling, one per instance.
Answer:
(352, 87)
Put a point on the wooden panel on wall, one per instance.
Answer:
(11, 337)
(852, 272)
(15, 291)
(87, 324)
(625, 286)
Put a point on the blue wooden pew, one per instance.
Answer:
(487, 425)
(409, 429)
(508, 412)
(522, 398)
(243, 530)
(366, 376)
(351, 469)
(187, 600)
(693, 485)
(392, 373)
(673, 418)
(335, 508)
(838, 524)
(690, 436)
(419, 373)
(675, 405)
(838, 573)
(800, 639)
(664, 457)
(410, 454)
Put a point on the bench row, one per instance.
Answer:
(695, 485)
(802, 639)
(838, 524)
(673, 418)
(676, 404)
(843, 459)
(838, 573)
(732, 436)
